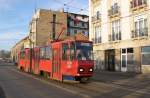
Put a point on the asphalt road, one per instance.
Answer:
(13, 84)
(16, 84)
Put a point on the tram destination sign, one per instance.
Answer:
(84, 45)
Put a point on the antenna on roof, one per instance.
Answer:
(67, 8)
(35, 6)
(81, 11)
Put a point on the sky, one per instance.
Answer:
(15, 16)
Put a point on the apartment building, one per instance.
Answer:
(24, 43)
(120, 30)
(47, 25)
(77, 23)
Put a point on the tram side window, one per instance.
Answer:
(22, 55)
(48, 54)
(65, 48)
(72, 51)
(42, 53)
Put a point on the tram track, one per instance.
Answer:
(69, 87)
(80, 88)
(86, 90)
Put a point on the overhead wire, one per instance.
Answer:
(82, 9)
(68, 5)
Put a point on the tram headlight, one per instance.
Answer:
(91, 69)
(81, 69)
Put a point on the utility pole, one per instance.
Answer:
(54, 23)
(30, 41)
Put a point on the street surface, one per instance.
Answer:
(16, 84)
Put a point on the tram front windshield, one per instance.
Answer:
(84, 51)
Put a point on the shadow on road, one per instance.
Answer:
(105, 76)
(2, 94)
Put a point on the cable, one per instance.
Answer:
(70, 1)
(63, 2)
(57, 1)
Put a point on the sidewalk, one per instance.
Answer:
(131, 80)
(107, 76)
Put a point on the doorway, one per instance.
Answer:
(127, 59)
(110, 60)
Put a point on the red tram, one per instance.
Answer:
(61, 60)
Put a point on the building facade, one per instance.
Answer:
(77, 23)
(24, 43)
(120, 30)
(47, 25)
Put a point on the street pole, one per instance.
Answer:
(30, 67)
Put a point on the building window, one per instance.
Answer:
(75, 16)
(71, 32)
(127, 57)
(116, 32)
(136, 3)
(140, 27)
(71, 23)
(75, 24)
(83, 17)
(146, 55)
(97, 15)
(97, 35)
(83, 25)
(75, 31)
(115, 9)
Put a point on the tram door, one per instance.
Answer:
(36, 61)
(56, 72)
(110, 60)
(27, 60)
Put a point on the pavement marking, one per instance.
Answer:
(49, 83)
(117, 86)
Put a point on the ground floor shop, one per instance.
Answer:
(130, 59)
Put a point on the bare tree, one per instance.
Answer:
(4, 54)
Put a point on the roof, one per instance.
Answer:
(25, 38)
(77, 14)
(61, 11)
(77, 37)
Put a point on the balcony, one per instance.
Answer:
(115, 37)
(96, 18)
(95, 1)
(138, 4)
(114, 11)
(139, 33)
